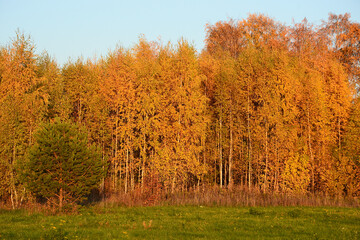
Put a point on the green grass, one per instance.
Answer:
(188, 222)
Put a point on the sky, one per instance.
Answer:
(69, 29)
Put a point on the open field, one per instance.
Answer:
(185, 222)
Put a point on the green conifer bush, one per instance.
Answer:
(62, 166)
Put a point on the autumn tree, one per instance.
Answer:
(23, 102)
(343, 36)
(147, 106)
(117, 88)
(183, 122)
(349, 166)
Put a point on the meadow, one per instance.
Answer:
(185, 222)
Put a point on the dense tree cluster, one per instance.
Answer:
(264, 105)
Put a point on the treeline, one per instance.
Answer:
(264, 105)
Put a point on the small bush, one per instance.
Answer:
(62, 166)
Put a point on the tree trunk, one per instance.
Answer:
(143, 164)
(12, 199)
(220, 154)
(266, 157)
(102, 184)
(13, 192)
(249, 139)
(231, 150)
(116, 163)
(61, 198)
(126, 170)
(132, 175)
(173, 184)
(204, 159)
(339, 137)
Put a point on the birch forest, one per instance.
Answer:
(264, 105)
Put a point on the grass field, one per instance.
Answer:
(187, 222)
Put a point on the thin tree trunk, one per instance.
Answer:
(173, 184)
(113, 160)
(143, 164)
(225, 167)
(277, 172)
(231, 150)
(215, 166)
(220, 154)
(132, 175)
(116, 163)
(102, 184)
(12, 199)
(339, 137)
(249, 139)
(241, 157)
(266, 156)
(130, 147)
(127, 170)
(13, 192)
(61, 198)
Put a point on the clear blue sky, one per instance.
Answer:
(88, 28)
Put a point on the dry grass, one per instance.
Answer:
(236, 196)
